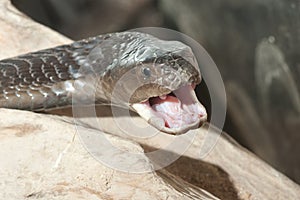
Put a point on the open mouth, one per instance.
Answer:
(173, 113)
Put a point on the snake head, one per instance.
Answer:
(157, 79)
(168, 101)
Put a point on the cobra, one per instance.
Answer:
(153, 77)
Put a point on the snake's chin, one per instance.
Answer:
(174, 113)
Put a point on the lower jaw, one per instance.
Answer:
(160, 125)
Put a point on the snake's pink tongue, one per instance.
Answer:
(179, 110)
(173, 113)
(169, 108)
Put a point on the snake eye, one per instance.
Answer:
(147, 72)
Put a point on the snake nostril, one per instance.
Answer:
(172, 63)
(159, 60)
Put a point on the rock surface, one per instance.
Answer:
(43, 157)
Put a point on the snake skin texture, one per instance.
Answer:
(43, 79)
(46, 79)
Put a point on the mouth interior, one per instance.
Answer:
(178, 110)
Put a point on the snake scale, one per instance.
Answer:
(165, 72)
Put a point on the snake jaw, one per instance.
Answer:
(174, 113)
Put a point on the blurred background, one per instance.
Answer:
(255, 44)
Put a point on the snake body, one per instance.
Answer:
(42, 79)
(47, 78)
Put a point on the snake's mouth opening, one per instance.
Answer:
(173, 113)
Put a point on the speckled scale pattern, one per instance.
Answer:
(38, 80)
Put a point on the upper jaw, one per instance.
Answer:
(173, 114)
